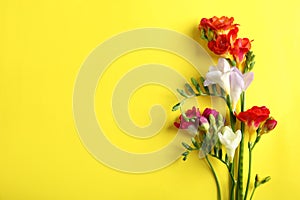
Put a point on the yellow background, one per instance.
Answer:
(44, 43)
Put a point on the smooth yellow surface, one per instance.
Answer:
(44, 43)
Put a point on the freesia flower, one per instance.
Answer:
(209, 111)
(215, 23)
(192, 125)
(240, 48)
(204, 124)
(238, 83)
(229, 78)
(230, 140)
(223, 42)
(253, 117)
(219, 46)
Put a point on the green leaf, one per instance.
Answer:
(214, 88)
(203, 35)
(195, 143)
(220, 120)
(176, 107)
(226, 158)
(182, 93)
(196, 84)
(185, 117)
(188, 147)
(185, 153)
(189, 89)
(268, 178)
(205, 87)
(220, 154)
(194, 81)
(184, 158)
(251, 65)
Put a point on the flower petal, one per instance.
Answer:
(223, 65)
(237, 85)
(248, 78)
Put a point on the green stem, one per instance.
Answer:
(232, 117)
(241, 153)
(216, 178)
(231, 172)
(252, 193)
(249, 170)
(232, 190)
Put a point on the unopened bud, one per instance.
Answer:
(204, 124)
(265, 180)
(269, 125)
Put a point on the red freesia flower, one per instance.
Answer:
(219, 46)
(240, 48)
(215, 23)
(223, 42)
(254, 116)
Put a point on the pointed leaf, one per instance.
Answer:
(195, 143)
(188, 147)
(189, 89)
(182, 93)
(176, 107)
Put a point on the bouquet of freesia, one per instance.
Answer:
(224, 137)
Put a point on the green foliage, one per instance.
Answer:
(249, 64)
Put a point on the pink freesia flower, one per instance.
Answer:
(191, 113)
(197, 119)
(209, 111)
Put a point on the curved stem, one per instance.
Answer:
(233, 182)
(232, 190)
(249, 170)
(228, 167)
(232, 117)
(216, 178)
(252, 193)
(241, 153)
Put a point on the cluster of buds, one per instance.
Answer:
(195, 122)
(209, 133)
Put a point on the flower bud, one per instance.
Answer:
(259, 181)
(266, 179)
(269, 125)
(204, 124)
(209, 111)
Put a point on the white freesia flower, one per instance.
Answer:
(230, 140)
(238, 83)
(219, 75)
(230, 79)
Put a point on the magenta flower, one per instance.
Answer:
(193, 113)
(209, 111)
(195, 119)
